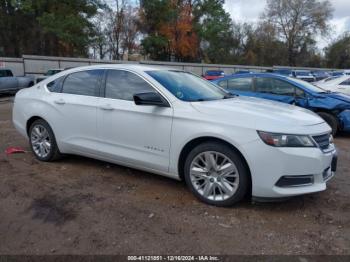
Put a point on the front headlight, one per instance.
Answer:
(285, 140)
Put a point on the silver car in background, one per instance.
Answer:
(11, 84)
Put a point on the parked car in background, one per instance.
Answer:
(347, 71)
(179, 125)
(49, 72)
(281, 71)
(304, 75)
(338, 73)
(243, 72)
(334, 108)
(339, 84)
(325, 80)
(11, 84)
(320, 74)
(213, 74)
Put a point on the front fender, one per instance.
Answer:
(344, 119)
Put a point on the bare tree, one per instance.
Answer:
(115, 29)
(130, 30)
(99, 43)
(298, 21)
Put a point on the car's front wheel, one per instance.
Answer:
(216, 174)
(42, 141)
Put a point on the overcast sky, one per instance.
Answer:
(250, 10)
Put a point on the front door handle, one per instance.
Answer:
(107, 107)
(60, 102)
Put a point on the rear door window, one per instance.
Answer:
(240, 84)
(85, 83)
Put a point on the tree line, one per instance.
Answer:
(285, 33)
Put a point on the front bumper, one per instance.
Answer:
(269, 164)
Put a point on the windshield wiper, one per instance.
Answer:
(198, 100)
(326, 92)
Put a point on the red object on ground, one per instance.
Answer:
(14, 150)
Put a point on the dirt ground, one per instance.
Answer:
(83, 206)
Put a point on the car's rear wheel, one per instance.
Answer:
(216, 174)
(330, 120)
(42, 141)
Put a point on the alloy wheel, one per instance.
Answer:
(214, 176)
(40, 141)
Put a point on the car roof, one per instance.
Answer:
(132, 67)
(136, 68)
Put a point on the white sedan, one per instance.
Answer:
(339, 84)
(176, 124)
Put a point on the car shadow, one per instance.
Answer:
(343, 135)
(113, 173)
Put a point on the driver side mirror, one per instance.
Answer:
(150, 99)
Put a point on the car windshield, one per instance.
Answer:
(309, 86)
(331, 78)
(188, 87)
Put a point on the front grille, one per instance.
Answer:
(322, 141)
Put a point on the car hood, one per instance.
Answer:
(260, 114)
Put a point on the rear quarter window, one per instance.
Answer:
(85, 83)
(55, 85)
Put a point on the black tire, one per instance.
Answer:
(243, 172)
(54, 152)
(331, 121)
(30, 84)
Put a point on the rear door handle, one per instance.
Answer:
(60, 102)
(107, 107)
